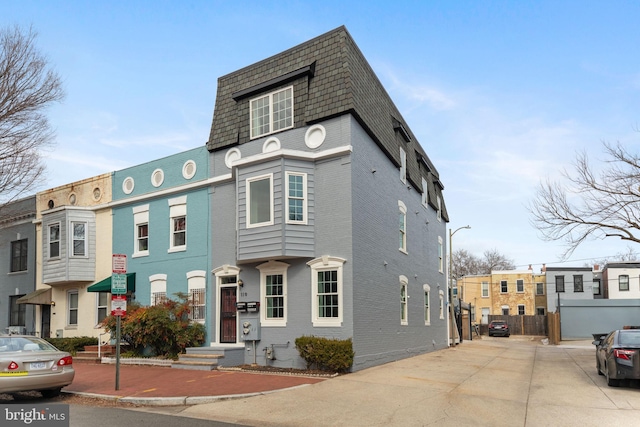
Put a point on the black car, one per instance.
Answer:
(618, 355)
(499, 327)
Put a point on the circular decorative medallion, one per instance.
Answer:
(315, 136)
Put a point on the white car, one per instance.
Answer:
(30, 363)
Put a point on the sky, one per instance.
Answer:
(500, 94)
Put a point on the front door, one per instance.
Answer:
(45, 324)
(228, 314)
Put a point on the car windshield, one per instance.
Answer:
(15, 343)
(630, 338)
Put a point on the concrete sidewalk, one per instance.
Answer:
(514, 381)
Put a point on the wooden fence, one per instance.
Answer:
(525, 325)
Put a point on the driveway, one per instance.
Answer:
(495, 381)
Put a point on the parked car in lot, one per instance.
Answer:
(30, 363)
(499, 327)
(618, 355)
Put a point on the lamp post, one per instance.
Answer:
(450, 281)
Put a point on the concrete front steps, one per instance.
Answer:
(90, 353)
(209, 358)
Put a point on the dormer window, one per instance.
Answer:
(272, 113)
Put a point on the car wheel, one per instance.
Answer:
(50, 393)
(611, 382)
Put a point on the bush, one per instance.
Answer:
(73, 344)
(326, 354)
(163, 329)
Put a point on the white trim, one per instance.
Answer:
(404, 303)
(271, 111)
(177, 209)
(140, 217)
(314, 136)
(425, 193)
(403, 165)
(441, 306)
(157, 177)
(126, 188)
(288, 197)
(59, 256)
(427, 307)
(185, 169)
(157, 285)
(225, 270)
(325, 263)
(294, 154)
(267, 269)
(248, 182)
(232, 156)
(271, 144)
(77, 309)
(403, 231)
(72, 239)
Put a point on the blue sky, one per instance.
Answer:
(501, 94)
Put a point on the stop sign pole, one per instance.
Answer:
(119, 266)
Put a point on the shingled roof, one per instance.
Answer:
(331, 77)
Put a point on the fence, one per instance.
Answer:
(525, 325)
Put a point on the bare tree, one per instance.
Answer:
(27, 87)
(591, 205)
(465, 263)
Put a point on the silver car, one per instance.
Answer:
(29, 363)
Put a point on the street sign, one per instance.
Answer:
(118, 284)
(118, 305)
(119, 264)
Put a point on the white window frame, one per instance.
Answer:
(270, 113)
(321, 264)
(504, 310)
(441, 297)
(425, 193)
(485, 289)
(439, 211)
(140, 218)
(85, 240)
(520, 286)
(402, 225)
(71, 308)
(158, 289)
(196, 286)
(272, 268)
(620, 289)
(50, 242)
(100, 306)
(404, 300)
(403, 165)
(427, 304)
(177, 210)
(288, 176)
(248, 182)
(440, 255)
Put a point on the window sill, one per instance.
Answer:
(177, 249)
(325, 324)
(140, 254)
(273, 323)
(404, 251)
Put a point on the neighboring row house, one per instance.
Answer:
(312, 210)
(509, 292)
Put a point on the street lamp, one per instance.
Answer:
(450, 281)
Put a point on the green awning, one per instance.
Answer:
(105, 284)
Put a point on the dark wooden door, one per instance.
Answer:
(45, 326)
(228, 315)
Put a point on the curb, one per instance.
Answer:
(177, 400)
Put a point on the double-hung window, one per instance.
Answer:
(578, 284)
(296, 198)
(521, 310)
(259, 201)
(102, 306)
(141, 231)
(559, 283)
(485, 289)
(72, 308)
(196, 284)
(54, 240)
(520, 285)
(79, 238)
(19, 251)
(623, 282)
(504, 287)
(402, 225)
(539, 288)
(273, 291)
(441, 296)
(178, 214)
(326, 282)
(158, 289)
(404, 284)
(272, 113)
(440, 255)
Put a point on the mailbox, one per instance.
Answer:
(241, 306)
(253, 306)
(251, 329)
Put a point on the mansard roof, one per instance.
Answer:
(331, 77)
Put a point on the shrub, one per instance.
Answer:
(326, 354)
(73, 344)
(163, 329)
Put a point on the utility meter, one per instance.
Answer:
(251, 329)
